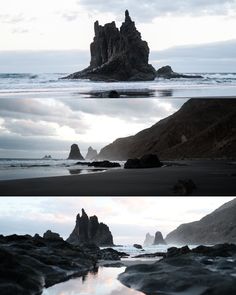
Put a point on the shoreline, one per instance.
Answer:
(211, 177)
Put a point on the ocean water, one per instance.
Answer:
(33, 168)
(51, 86)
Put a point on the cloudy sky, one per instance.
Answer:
(129, 218)
(68, 25)
(35, 127)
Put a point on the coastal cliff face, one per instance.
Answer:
(202, 128)
(117, 55)
(89, 230)
(75, 153)
(217, 227)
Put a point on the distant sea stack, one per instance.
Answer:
(91, 154)
(149, 239)
(217, 227)
(89, 230)
(75, 153)
(117, 55)
(201, 128)
(158, 240)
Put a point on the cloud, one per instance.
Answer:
(12, 19)
(145, 11)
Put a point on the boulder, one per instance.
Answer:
(158, 240)
(51, 236)
(149, 239)
(137, 246)
(75, 153)
(91, 154)
(102, 164)
(146, 161)
(117, 55)
(89, 230)
(166, 72)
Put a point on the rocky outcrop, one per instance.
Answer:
(201, 128)
(101, 164)
(51, 236)
(29, 264)
(202, 271)
(91, 154)
(166, 72)
(146, 161)
(75, 153)
(149, 239)
(137, 246)
(89, 230)
(158, 240)
(117, 55)
(217, 227)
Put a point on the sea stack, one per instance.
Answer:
(89, 230)
(158, 240)
(75, 153)
(117, 55)
(91, 154)
(149, 239)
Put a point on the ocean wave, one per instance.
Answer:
(18, 76)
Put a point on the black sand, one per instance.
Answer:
(211, 177)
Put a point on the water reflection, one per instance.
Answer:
(102, 281)
(84, 171)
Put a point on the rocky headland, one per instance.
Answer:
(90, 230)
(117, 54)
(216, 227)
(201, 128)
(159, 240)
(75, 153)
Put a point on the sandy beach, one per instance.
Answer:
(211, 177)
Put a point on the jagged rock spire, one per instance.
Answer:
(127, 17)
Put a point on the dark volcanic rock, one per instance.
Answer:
(27, 264)
(201, 128)
(167, 73)
(102, 164)
(49, 235)
(158, 240)
(217, 227)
(137, 246)
(75, 153)
(91, 154)
(117, 55)
(146, 161)
(89, 230)
(149, 239)
(186, 272)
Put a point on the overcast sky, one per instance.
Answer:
(68, 25)
(35, 127)
(129, 218)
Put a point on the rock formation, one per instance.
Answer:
(201, 128)
(75, 153)
(217, 227)
(117, 55)
(200, 271)
(146, 161)
(149, 239)
(166, 72)
(91, 154)
(89, 230)
(158, 240)
(49, 235)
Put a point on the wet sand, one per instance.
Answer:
(211, 177)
